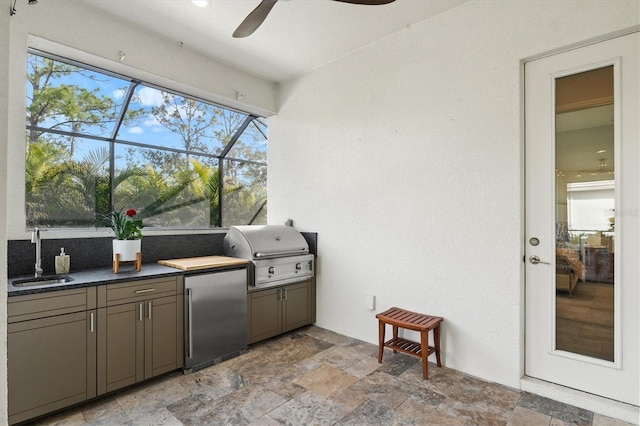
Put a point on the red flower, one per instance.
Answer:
(131, 212)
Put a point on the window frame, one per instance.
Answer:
(112, 140)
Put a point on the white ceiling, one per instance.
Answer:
(585, 118)
(296, 37)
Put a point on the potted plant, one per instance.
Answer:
(127, 230)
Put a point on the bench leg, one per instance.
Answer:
(381, 326)
(395, 336)
(436, 343)
(424, 352)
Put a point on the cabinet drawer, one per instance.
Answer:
(41, 305)
(141, 290)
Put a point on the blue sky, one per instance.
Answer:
(146, 129)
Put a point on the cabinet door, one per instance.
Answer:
(265, 318)
(296, 306)
(121, 353)
(47, 364)
(161, 336)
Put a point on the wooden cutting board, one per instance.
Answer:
(205, 262)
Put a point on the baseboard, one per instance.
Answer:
(607, 407)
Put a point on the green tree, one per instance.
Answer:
(64, 106)
(44, 181)
(66, 103)
(190, 119)
(199, 125)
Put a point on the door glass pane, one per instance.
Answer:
(585, 213)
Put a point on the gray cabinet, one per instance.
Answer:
(280, 309)
(264, 309)
(296, 306)
(141, 331)
(51, 351)
(68, 346)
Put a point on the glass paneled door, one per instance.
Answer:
(582, 233)
(585, 155)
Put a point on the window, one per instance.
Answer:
(591, 205)
(97, 141)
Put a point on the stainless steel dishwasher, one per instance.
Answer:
(215, 317)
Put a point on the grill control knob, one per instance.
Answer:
(272, 270)
(298, 267)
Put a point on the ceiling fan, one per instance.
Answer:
(259, 14)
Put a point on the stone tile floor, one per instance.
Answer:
(316, 377)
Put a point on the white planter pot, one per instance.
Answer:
(127, 249)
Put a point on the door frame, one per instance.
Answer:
(588, 401)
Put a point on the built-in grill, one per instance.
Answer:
(278, 254)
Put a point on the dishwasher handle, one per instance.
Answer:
(190, 322)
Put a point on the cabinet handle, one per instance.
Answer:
(141, 306)
(149, 310)
(284, 290)
(91, 321)
(190, 322)
(148, 290)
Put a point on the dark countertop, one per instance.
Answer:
(95, 277)
(102, 276)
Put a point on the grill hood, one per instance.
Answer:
(264, 242)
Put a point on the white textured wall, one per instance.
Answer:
(406, 158)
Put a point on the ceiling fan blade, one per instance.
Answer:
(367, 2)
(254, 19)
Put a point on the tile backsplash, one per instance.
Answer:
(92, 253)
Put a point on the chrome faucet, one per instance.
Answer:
(35, 239)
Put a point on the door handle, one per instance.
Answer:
(535, 260)
(190, 322)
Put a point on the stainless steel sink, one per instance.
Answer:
(41, 281)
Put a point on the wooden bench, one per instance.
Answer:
(400, 318)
